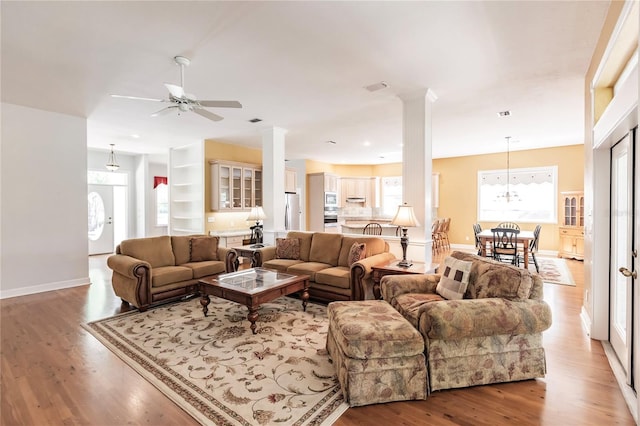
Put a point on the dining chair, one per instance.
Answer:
(372, 229)
(509, 225)
(505, 245)
(476, 230)
(444, 233)
(533, 246)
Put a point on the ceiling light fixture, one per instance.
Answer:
(332, 142)
(255, 120)
(506, 113)
(508, 196)
(112, 164)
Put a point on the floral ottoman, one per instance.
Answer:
(377, 353)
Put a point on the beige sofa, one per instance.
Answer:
(324, 257)
(492, 335)
(147, 271)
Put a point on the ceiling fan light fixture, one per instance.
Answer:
(112, 164)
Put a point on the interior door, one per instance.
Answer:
(622, 240)
(100, 208)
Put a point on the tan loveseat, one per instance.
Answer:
(492, 335)
(325, 258)
(147, 271)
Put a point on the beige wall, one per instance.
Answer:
(459, 187)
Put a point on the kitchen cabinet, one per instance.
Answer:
(290, 180)
(330, 182)
(571, 232)
(319, 184)
(186, 186)
(359, 191)
(235, 186)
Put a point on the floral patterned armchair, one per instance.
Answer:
(492, 335)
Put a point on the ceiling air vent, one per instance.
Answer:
(255, 120)
(377, 86)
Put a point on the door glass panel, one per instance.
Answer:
(96, 216)
(620, 224)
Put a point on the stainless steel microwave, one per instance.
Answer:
(330, 199)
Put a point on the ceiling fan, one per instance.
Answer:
(182, 102)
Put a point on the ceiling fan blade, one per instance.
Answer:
(176, 91)
(137, 98)
(221, 104)
(164, 111)
(207, 114)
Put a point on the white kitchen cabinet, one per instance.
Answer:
(235, 186)
(290, 180)
(359, 191)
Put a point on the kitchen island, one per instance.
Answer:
(358, 227)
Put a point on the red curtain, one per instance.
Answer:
(157, 180)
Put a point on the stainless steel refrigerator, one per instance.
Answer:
(292, 212)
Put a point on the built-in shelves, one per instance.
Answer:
(186, 179)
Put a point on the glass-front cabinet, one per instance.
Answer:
(571, 231)
(235, 186)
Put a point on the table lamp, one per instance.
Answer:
(405, 218)
(257, 214)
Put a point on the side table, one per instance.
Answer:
(391, 268)
(248, 252)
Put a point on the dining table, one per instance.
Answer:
(523, 239)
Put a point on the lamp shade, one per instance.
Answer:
(405, 217)
(256, 214)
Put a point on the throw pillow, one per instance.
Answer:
(356, 253)
(455, 278)
(288, 248)
(203, 248)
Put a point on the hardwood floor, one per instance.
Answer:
(53, 372)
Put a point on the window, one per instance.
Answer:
(162, 205)
(161, 190)
(530, 196)
(391, 195)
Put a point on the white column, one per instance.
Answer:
(273, 181)
(416, 165)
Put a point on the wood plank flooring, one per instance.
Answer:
(52, 372)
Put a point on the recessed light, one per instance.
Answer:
(506, 113)
(135, 136)
(255, 120)
(366, 143)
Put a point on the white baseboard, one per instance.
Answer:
(586, 320)
(41, 288)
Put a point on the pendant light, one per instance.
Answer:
(112, 164)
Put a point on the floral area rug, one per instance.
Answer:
(220, 373)
(553, 270)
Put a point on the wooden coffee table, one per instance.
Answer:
(253, 287)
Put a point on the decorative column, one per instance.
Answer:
(273, 181)
(416, 164)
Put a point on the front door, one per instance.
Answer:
(622, 240)
(100, 209)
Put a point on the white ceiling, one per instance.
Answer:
(303, 66)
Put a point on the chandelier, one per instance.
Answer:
(508, 196)
(112, 164)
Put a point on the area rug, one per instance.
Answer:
(553, 270)
(220, 373)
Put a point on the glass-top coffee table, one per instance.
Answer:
(253, 287)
